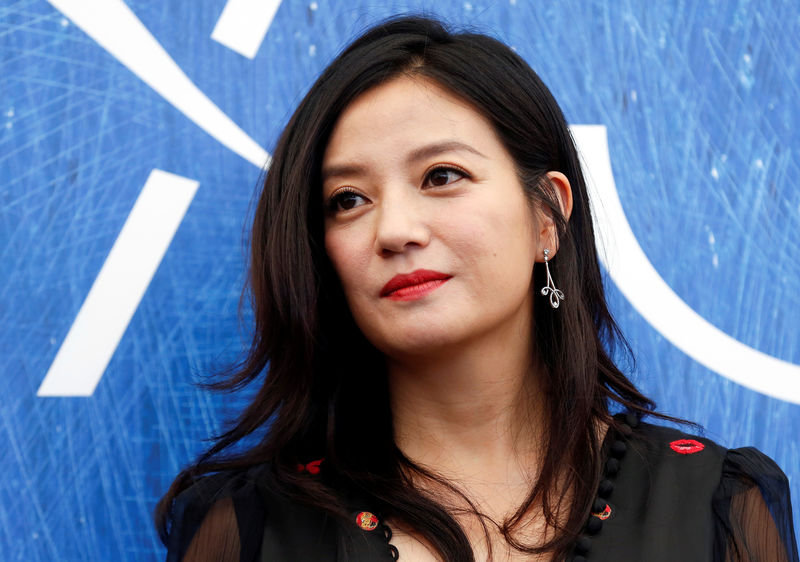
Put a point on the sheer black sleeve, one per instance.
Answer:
(218, 519)
(752, 511)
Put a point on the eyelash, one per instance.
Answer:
(448, 167)
(337, 198)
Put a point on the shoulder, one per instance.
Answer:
(681, 471)
(675, 495)
(669, 447)
(666, 480)
(248, 515)
(244, 487)
(225, 508)
(666, 453)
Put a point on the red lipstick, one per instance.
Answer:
(414, 285)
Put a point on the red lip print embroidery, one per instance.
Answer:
(686, 446)
(366, 520)
(311, 468)
(605, 514)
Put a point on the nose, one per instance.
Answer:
(401, 225)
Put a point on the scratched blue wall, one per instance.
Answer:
(700, 102)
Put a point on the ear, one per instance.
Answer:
(548, 237)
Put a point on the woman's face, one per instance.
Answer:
(427, 224)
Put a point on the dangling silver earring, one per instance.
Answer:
(556, 296)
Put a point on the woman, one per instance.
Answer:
(431, 314)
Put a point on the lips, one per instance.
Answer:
(414, 285)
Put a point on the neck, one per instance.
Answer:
(472, 413)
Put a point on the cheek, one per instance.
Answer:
(349, 255)
(492, 238)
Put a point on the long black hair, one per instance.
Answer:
(323, 379)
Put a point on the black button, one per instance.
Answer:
(583, 544)
(632, 419)
(598, 505)
(605, 488)
(594, 525)
(612, 467)
(618, 449)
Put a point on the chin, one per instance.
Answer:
(424, 332)
(416, 343)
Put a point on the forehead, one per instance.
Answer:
(394, 118)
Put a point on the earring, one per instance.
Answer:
(556, 296)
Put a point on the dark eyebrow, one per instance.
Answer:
(342, 170)
(416, 155)
(436, 148)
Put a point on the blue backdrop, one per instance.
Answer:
(98, 99)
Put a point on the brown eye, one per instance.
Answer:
(444, 176)
(346, 200)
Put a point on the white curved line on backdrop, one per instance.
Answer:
(117, 29)
(112, 24)
(243, 24)
(650, 295)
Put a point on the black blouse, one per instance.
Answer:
(665, 496)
